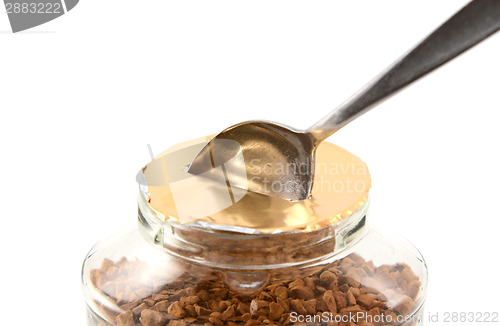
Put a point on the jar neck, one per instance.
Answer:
(211, 246)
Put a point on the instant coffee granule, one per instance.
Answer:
(347, 287)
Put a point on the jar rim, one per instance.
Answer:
(205, 244)
(341, 187)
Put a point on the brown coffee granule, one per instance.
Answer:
(344, 287)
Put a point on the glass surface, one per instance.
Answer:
(129, 280)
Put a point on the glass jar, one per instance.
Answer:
(160, 271)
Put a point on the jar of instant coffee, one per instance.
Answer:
(206, 252)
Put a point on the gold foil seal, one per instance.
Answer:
(340, 188)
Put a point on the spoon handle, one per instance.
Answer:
(475, 22)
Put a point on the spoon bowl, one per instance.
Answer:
(279, 160)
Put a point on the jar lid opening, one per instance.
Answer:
(340, 188)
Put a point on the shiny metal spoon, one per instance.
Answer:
(279, 160)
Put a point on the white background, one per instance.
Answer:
(82, 96)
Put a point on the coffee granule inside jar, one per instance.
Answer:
(346, 289)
